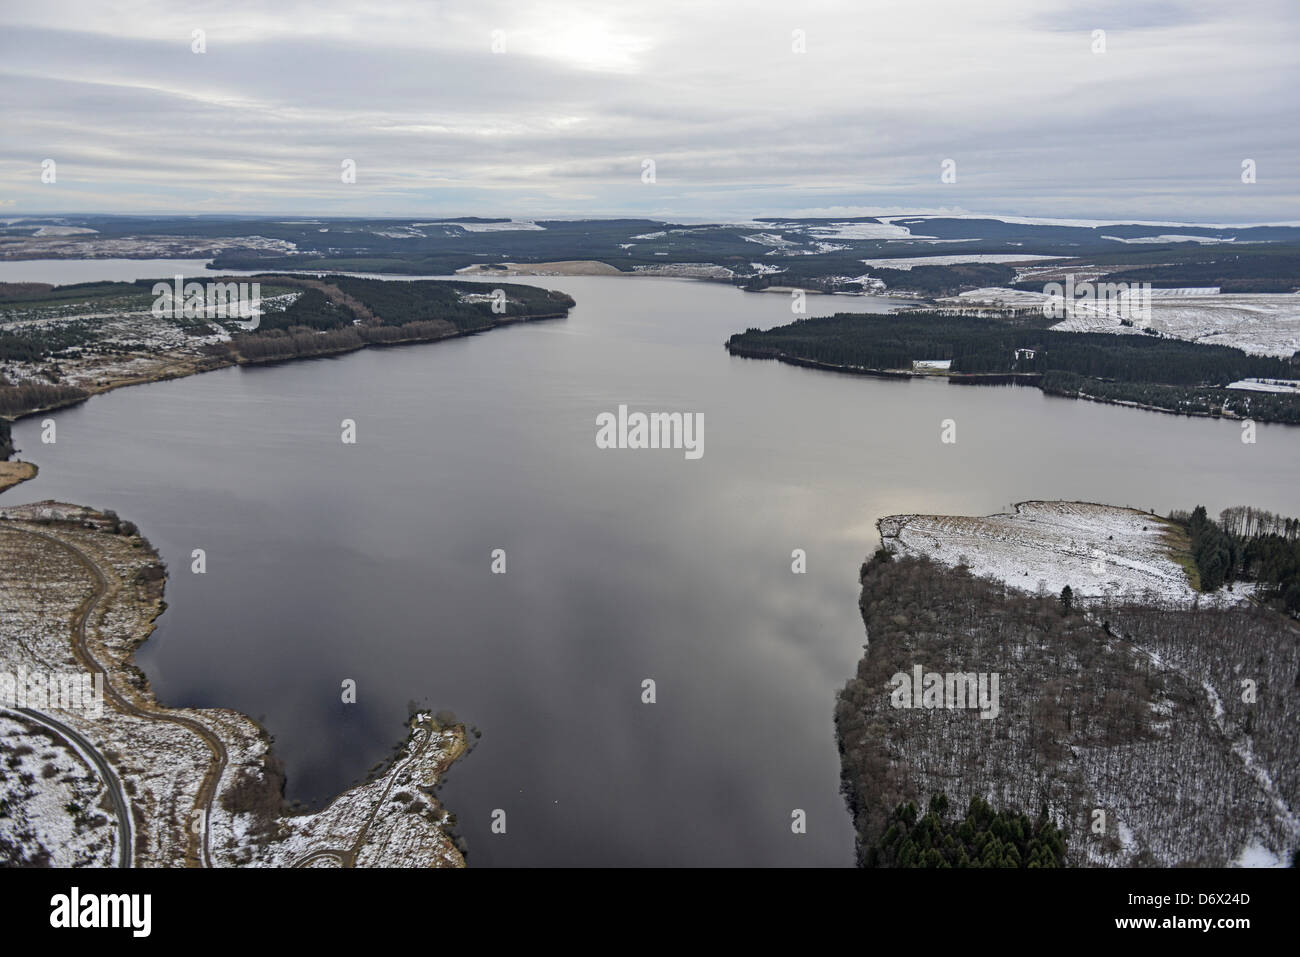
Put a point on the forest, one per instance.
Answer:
(464, 305)
(25, 397)
(322, 316)
(1247, 545)
(979, 345)
(1125, 723)
(337, 314)
(311, 310)
(829, 274)
(1190, 400)
(1265, 270)
(299, 342)
(1147, 369)
(984, 838)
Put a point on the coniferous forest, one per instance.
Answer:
(984, 838)
(1151, 370)
(1247, 545)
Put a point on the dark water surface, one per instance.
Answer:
(372, 562)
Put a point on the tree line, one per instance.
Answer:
(299, 342)
(1247, 545)
(1150, 370)
(977, 344)
(1189, 400)
(398, 303)
(984, 838)
(16, 400)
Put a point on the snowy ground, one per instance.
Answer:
(390, 821)
(572, 267)
(909, 261)
(57, 809)
(52, 558)
(771, 239)
(65, 246)
(685, 271)
(846, 230)
(1100, 551)
(1175, 238)
(1266, 385)
(1261, 323)
(1055, 221)
(118, 339)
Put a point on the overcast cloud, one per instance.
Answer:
(737, 122)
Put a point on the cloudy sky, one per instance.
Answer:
(546, 108)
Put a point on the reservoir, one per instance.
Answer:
(374, 561)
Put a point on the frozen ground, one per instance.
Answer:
(196, 785)
(1100, 551)
(909, 261)
(1050, 221)
(1169, 239)
(115, 340)
(57, 810)
(512, 226)
(1259, 323)
(1266, 385)
(77, 246)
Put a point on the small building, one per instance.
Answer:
(1024, 354)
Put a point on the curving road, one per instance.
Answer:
(199, 856)
(83, 747)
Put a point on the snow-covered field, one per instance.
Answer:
(1176, 238)
(1054, 221)
(995, 297)
(54, 800)
(770, 239)
(121, 340)
(685, 271)
(861, 231)
(79, 246)
(812, 232)
(1100, 551)
(910, 261)
(1266, 385)
(1260, 323)
(506, 227)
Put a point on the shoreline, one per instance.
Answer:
(1135, 673)
(226, 766)
(213, 796)
(174, 365)
(14, 473)
(985, 379)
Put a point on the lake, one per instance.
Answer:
(372, 561)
